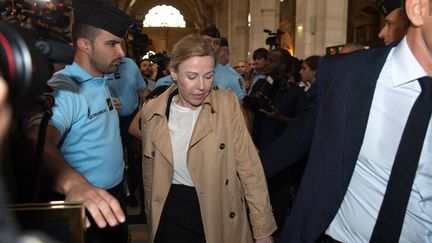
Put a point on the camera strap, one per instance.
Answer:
(168, 106)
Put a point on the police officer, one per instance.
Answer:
(83, 156)
(129, 87)
(395, 20)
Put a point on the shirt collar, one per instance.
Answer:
(80, 74)
(405, 67)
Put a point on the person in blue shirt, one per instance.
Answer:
(128, 86)
(83, 155)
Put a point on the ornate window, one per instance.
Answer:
(164, 16)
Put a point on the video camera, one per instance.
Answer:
(140, 41)
(273, 40)
(258, 101)
(29, 48)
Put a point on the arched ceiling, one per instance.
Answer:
(197, 13)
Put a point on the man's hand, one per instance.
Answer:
(102, 206)
(268, 239)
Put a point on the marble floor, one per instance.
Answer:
(137, 227)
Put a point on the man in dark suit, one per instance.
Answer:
(364, 102)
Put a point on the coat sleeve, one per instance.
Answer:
(147, 168)
(251, 175)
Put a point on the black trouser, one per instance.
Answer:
(110, 234)
(181, 217)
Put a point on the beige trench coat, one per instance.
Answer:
(224, 166)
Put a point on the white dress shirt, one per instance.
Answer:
(395, 93)
(181, 125)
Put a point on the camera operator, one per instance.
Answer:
(160, 63)
(9, 231)
(275, 100)
(7, 225)
(83, 156)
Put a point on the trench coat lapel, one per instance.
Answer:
(362, 87)
(203, 126)
(160, 137)
(161, 141)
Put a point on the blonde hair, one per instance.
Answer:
(190, 46)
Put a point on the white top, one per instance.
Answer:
(395, 93)
(181, 125)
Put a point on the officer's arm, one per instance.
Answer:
(103, 207)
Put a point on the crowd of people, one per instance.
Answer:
(274, 149)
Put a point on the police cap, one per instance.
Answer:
(387, 6)
(101, 15)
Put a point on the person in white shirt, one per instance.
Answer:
(364, 102)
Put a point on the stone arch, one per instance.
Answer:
(197, 13)
(363, 23)
(178, 22)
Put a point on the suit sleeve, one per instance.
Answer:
(295, 141)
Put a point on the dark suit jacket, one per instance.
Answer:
(346, 86)
(295, 141)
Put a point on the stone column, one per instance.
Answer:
(238, 30)
(264, 15)
(319, 24)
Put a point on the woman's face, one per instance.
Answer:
(194, 79)
(307, 74)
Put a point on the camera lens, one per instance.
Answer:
(23, 68)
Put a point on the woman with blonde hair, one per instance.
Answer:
(200, 166)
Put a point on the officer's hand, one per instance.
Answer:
(268, 239)
(117, 104)
(102, 206)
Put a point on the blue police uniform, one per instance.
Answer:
(223, 78)
(234, 76)
(89, 125)
(125, 84)
(167, 80)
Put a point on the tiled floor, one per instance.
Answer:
(137, 227)
(138, 233)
